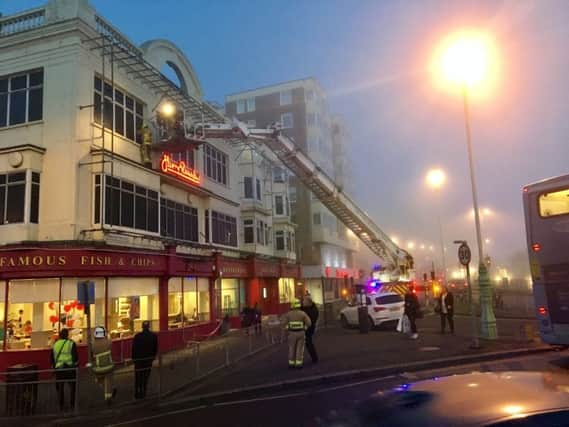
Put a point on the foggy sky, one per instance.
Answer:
(372, 56)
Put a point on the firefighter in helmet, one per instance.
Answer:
(102, 363)
(296, 322)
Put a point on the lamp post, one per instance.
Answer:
(465, 62)
(435, 179)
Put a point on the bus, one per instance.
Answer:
(546, 208)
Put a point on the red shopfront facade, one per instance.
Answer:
(182, 296)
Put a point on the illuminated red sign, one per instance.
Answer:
(178, 169)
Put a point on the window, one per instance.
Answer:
(288, 242)
(316, 220)
(292, 242)
(178, 221)
(279, 240)
(554, 204)
(185, 156)
(389, 299)
(13, 197)
(260, 232)
(21, 98)
(118, 110)
(230, 296)
(267, 234)
(279, 174)
(258, 188)
(126, 204)
(250, 105)
(286, 97)
(223, 229)
(286, 121)
(132, 301)
(248, 231)
(215, 164)
(248, 187)
(241, 106)
(279, 205)
(188, 301)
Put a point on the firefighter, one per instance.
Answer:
(296, 322)
(102, 364)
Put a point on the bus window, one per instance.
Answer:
(554, 204)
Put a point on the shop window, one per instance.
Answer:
(132, 301)
(286, 290)
(188, 301)
(21, 98)
(118, 110)
(230, 297)
(34, 315)
(73, 312)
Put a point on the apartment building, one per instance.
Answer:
(92, 189)
(324, 246)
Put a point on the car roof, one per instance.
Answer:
(473, 399)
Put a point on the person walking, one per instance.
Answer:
(64, 359)
(144, 350)
(446, 309)
(257, 318)
(102, 364)
(412, 311)
(311, 311)
(296, 322)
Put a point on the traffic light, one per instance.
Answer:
(432, 275)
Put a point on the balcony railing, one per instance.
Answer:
(25, 21)
(113, 35)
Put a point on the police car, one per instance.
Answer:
(383, 308)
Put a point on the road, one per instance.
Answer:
(312, 407)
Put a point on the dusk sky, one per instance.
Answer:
(372, 58)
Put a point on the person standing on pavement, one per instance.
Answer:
(412, 311)
(446, 307)
(311, 311)
(296, 322)
(144, 350)
(257, 318)
(64, 360)
(102, 363)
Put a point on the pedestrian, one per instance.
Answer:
(144, 350)
(311, 311)
(102, 364)
(296, 322)
(446, 309)
(64, 359)
(412, 310)
(257, 318)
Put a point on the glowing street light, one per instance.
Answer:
(410, 245)
(467, 60)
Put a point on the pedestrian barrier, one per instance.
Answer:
(26, 391)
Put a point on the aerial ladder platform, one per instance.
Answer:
(399, 262)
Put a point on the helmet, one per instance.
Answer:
(295, 303)
(99, 332)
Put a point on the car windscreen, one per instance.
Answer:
(388, 299)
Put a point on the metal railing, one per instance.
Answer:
(25, 21)
(27, 392)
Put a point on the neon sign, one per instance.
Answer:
(178, 169)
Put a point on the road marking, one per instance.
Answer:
(257, 399)
(427, 348)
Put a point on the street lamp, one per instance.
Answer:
(435, 180)
(466, 61)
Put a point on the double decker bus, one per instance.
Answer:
(546, 206)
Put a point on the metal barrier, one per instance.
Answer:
(27, 391)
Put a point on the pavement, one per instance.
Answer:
(345, 355)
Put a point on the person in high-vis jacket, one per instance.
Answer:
(102, 362)
(64, 360)
(296, 322)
